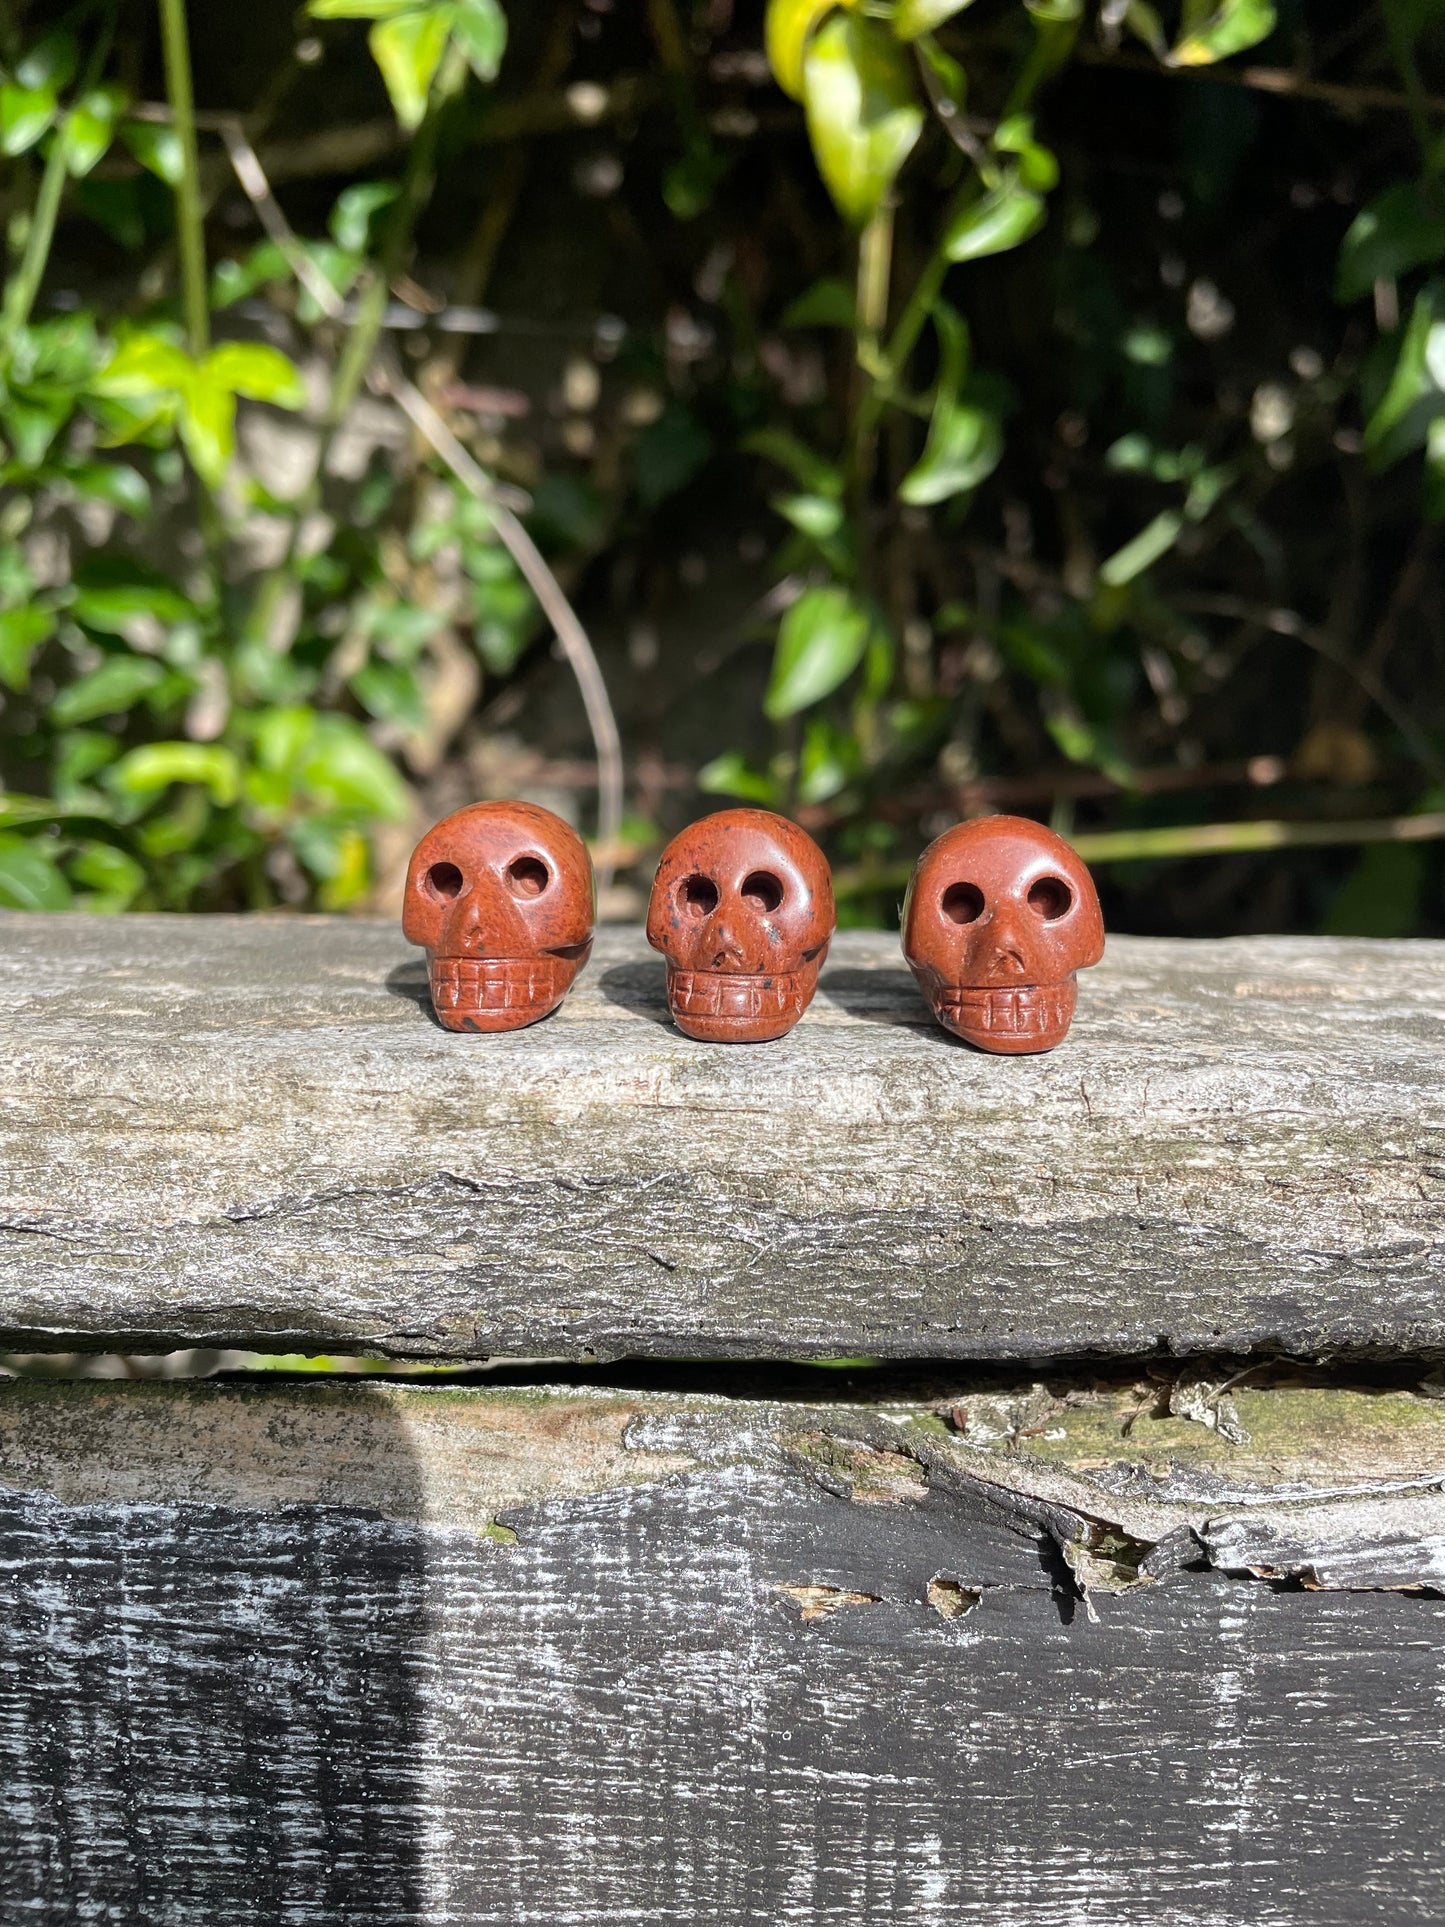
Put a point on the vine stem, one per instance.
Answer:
(190, 225)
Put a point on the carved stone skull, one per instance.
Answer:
(742, 909)
(999, 915)
(501, 895)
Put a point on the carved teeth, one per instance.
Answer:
(711, 993)
(1023, 1010)
(495, 983)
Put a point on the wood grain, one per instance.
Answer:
(718, 1661)
(251, 1132)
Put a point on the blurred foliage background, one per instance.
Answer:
(884, 410)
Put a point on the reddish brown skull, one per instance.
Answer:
(742, 909)
(501, 895)
(999, 915)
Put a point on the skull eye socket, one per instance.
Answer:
(527, 877)
(1050, 898)
(763, 890)
(962, 903)
(444, 882)
(699, 896)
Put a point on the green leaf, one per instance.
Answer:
(344, 768)
(818, 516)
(157, 148)
(1037, 166)
(1400, 229)
(111, 599)
(408, 48)
(51, 62)
(116, 686)
(479, 28)
(22, 632)
(1144, 23)
(259, 372)
(863, 117)
(786, 32)
(964, 447)
(390, 693)
(1003, 218)
(821, 641)
(1413, 397)
(1146, 548)
(208, 427)
(359, 9)
(117, 483)
(827, 304)
(155, 766)
(1215, 29)
(25, 113)
(733, 775)
(109, 873)
(144, 364)
(90, 129)
(913, 17)
(29, 880)
(351, 218)
(810, 470)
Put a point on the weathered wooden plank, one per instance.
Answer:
(261, 1662)
(250, 1132)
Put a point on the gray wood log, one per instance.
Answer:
(251, 1132)
(340, 1655)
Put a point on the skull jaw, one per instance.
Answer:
(1017, 1021)
(488, 994)
(721, 1007)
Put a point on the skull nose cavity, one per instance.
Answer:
(962, 903)
(698, 897)
(444, 881)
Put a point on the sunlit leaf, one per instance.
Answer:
(22, 633)
(256, 370)
(408, 49)
(143, 364)
(1400, 229)
(25, 113)
(816, 515)
(1037, 166)
(157, 148)
(821, 641)
(117, 483)
(913, 17)
(90, 128)
(341, 765)
(29, 880)
(207, 421)
(1152, 542)
(155, 766)
(115, 878)
(1415, 393)
(1003, 218)
(863, 116)
(786, 32)
(358, 9)
(733, 775)
(965, 445)
(1215, 29)
(112, 601)
(51, 62)
(479, 28)
(109, 690)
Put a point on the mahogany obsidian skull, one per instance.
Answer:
(742, 909)
(999, 915)
(502, 896)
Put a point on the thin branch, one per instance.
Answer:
(500, 502)
(1272, 80)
